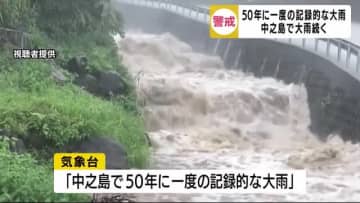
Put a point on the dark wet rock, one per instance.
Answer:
(116, 157)
(4, 132)
(236, 131)
(102, 83)
(110, 83)
(98, 82)
(15, 144)
(77, 65)
(88, 82)
(122, 34)
(18, 146)
(147, 139)
(114, 198)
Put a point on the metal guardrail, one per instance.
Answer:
(350, 48)
(350, 61)
(186, 9)
(19, 38)
(344, 54)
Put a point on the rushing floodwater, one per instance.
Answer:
(201, 116)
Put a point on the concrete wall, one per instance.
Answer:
(266, 58)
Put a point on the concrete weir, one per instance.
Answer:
(333, 85)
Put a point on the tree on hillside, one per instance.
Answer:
(16, 14)
(59, 18)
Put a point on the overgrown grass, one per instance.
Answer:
(102, 54)
(33, 107)
(23, 179)
(48, 116)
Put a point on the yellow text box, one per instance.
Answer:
(224, 20)
(79, 161)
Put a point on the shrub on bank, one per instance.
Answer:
(48, 117)
(23, 179)
(34, 108)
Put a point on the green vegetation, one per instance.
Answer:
(16, 14)
(68, 17)
(31, 104)
(47, 116)
(23, 179)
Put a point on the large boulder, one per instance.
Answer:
(15, 144)
(98, 82)
(102, 83)
(122, 34)
(110, 83)
(88, 82)
(77, 65)
(116, 157)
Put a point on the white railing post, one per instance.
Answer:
(237, 60)
(327, 47)
(316, 45)
(216, 46)
(303, 42)
(277, 69)
(227, 49)
(358, 61)
(197, 13)
(262, 67)
(302, 74)
(339, 51)
(348, 54)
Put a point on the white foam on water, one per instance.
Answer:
(200, 115)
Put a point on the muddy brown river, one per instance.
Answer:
(200, 115)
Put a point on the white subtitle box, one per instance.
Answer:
(280, 21)
(295, 21)
(180, 181)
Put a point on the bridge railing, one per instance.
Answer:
(351, 49)
(186, 9)
(341, 52)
